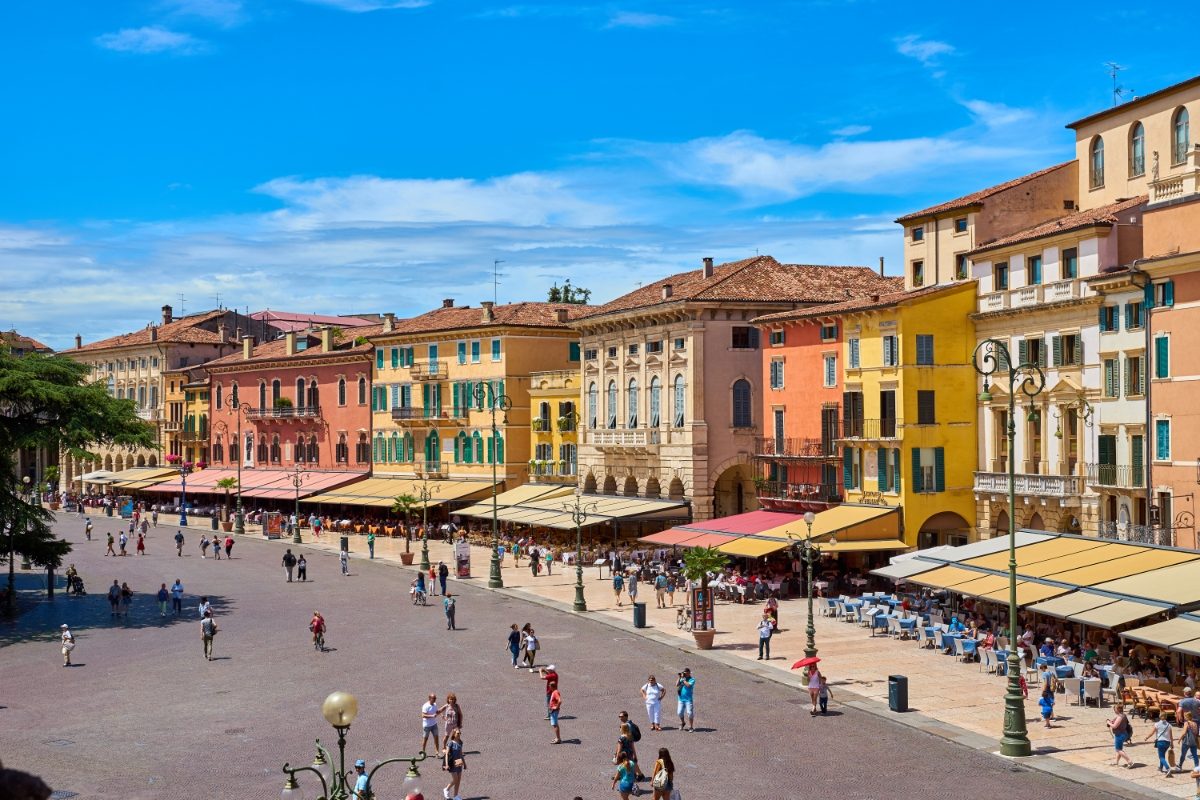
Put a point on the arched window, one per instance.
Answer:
(592, 402)
(362, 391)
(342, 453)
(299, 455)
(655, 402)
(742, 418)
(612, 404)
(217, 395)
(235, 451)
(262, 450)
(460, 448)
(218, 450)
(1137, 150)
(341, 391)
(314, 397)
(1180, 141)
(276, 450)
(248, 449)
(233, 394)
(677, 411)
(276, 392)
(262, 394)
(395, 452)
(433, 448)
(300, 384)
(1097, 163)
(477, 442)
(410, 452)
(362, 451)
(631, 404)
(313, 452)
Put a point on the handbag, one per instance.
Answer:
(660, 779)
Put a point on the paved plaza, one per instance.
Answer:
(143, 715)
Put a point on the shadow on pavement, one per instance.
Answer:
(41, 620)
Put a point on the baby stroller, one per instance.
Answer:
(75, 586)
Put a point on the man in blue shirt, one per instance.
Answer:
(618, 585)
(1047, 649)
(685, 687)
(361, 785)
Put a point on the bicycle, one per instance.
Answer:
(319, 641)
(418, 598)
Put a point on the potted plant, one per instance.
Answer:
(698, 562)
(227, 485)
(538, 426)
(403, 504)
(283, 402)
(533, 466)
(761, 485)
(565, 423)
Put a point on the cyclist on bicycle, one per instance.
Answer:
(418, 589)
(317, 626)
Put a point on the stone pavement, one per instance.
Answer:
(954, 698)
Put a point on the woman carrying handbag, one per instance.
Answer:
(662, 779)
(454, 763)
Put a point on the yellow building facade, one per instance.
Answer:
(554, 426)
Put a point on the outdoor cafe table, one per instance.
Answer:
(969, 645)
(909, 624)
(1050, 661)
(1064, 671)
(948, 639)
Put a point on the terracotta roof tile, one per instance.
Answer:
(453, 318)
(761, 279)
(276, 349)
(862, 303)
(185, 330)
(975, 198)
(1104, 216)
(19, 342)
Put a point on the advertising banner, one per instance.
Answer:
(462, 557)
(273, 527)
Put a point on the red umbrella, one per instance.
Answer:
(805, 662)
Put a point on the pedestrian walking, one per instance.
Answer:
(179, 543)
(208, 632)
(514, 644)
(454, 764)
(550, 676)
(660, 590)
(652, 694)
(1188, 740)
(635, 736)
(126, 599)
(68, 644)
(554, 704)
(429, 722)
(141, 544)
(1164, 737)
(317, 626)
(163, 596)
(685, 691)
(626, 748)
(228, 547)
(302, 568)
(87, 531)
(535, 564)
(671, 586)
(531, 647)
(114, 597)
(1046, 704)
(623, 780)
(371, 544)
(204, 608)
(632, 586)
(765, 631)
(344, 558)
(443, 572)
(452, 715)
(662, 776)
(549, 556)
(448, 606)
(123, 542)
(362, 781)
(216, 546)
(203, 546)
(823, 695)
(154, 516)
(432, 582)
(814, 688)
(516, 554)
(618, 585)
(110, 551)
(289, 564)
(177, 596)
(1121, 730)
(145, 526)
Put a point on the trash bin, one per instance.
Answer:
(639, 615)
(346, 543)
(898, 692)
(214, 522)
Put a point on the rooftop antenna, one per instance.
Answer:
(496, 281)
(182, 313)
(218, 301)
(1118, 91)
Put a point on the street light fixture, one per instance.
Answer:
(339, 710)
(25, 563)
(185, 469)
(297, 478)
(810, 554)
(487, 393)
(239, 408)
(992, 358)
(425, 493)
(579, 511)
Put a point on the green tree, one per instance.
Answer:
(698, 562)
(227, 485)
(568, 294)
(403, 504)
(46, 401)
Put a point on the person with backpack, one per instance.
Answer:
(626, 750)
(114, 597)
(302, 569)
(289, 563)
(179, 543)
(618, 585)
(662, 778)
(203, 546)
(635, 736)
(1188, 740)
(1121, 730)
(208, 631)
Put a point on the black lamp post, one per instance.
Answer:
(239, 525)
(425, 493)
(297, 478)
(579, 511)
(339, 710)
(992, 358)
(25, 564)
(810, 554)
(185, 469)
(486, 393)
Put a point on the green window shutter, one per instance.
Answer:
(1057, 344)
(896, 470)
(375, 451)
(1002, 359)
(1148, 293)
(500, 450)
(847, 468)
(379, 359)
(572, 350)
(939, 469)
(1162, 439)
(1141, 376)
(425, 398)
(395, 357)
(1103, 318)
(478, 448)
(883, 461)
(437, 399)
(918, 479)
(1162, 363)
(1023, 351)
(1169, 294)
(462, 352)
(1128, 316)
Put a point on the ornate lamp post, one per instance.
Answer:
(185, 469)
(339, 710)
(579, 511)
(993, 361)
(486, 393)
(810, 554)
(25, 564)
(232, 402)
(423, 491)
(297, 478)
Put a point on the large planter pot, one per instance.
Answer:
(227, 526)
(407, 558)
(704, 639)
(54, 506)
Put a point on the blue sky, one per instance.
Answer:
(354, 155)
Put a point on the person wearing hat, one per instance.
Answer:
(68, 644)
(1047, 649)
(362, 788)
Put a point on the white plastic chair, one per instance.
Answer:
(1091, 691)
(937, 639)
(923, 639)
(987, 659)
(1078, 668)
(894, 627)
(1072, 687)
(959, 653)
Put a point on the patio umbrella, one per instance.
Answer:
(805, 662)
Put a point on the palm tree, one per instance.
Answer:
(403, 504)
(698, 562)
(228, 485)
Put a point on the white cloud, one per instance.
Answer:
(638, 19)
(927, 51)
(995, 115)
(226, 13)
(361, 6)
(150, 39)
(852, 130)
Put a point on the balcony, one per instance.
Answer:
(428, 371)
(430, 469)
(1061, 486)
(423, 415)
(189, 433)
(996, 301)
(1117, 476)
(1180, 184)
(172, 425)
(793, 447)
(1142, 534)
(1025, 297)
(798, 497)
(857, 428)
(148, 414)
(617, 439)
(553, 472)
(1059, 291)
(284, 413)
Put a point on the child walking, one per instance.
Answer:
(1046, 703)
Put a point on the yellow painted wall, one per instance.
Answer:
(555, 388)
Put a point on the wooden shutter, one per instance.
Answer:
(1148, 295)
(881, 455)
(1058, 354)
(918, 479)
(939, 469)
(1162, 357)
(1169, 294)
(1023, 351)
(896, 470)
(847, 468)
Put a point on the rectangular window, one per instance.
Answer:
(830, 371)
(926, 408)
(1033, 270)
(1135, 376)
(474, 351)
(680, 344)
(960, 225)
(744, 338)
(852, 349)
(776, 373)
(632, 349)
(1032, 351)
(1162, 440)
(1112, 378)
(918, 233)
(1110, 319)
(929, 469)
(395, 357)
(462, 352)
(1134, 316)
(960, 266)
(1162, 357)
(1164, 294)
(925, 349)
(379, 359)
(828, 333)
(654, 347)
(890, 353)
(612, 352)
(1068, 350)
(496, 350)
(1000, 271)
(1070, 263)
(572, 352)
(777, 337)
(918, 273)
(591, 355)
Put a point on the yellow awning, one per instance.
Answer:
(141, 477)
(752, 548)
(553, 512)
(1191, 647)
(1165, 634)
(847, 521)
(982, 585)
(1148, 559)
(1058, 547)
(1074, 603)
(1177, 585)
(865, 546)
(1113, 615)
(1084, 558)
(1027, 592)
(380, 492)
(946, 577)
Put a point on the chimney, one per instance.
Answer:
(489, 315)
(289, 343)
(448, 302)
(221, 330)
(78, 341)
(881, 266)
(166, 315)
(327, 339)
(238, 334)
(560, 314)
(247, 346)
(666, 289)
(389, 322)
(708, 267)
(154, 333)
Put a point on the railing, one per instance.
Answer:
(793, 447)
(1119, 476)
(430, 467)
(172, 425)
(996, 301)
(190, 433)
(1142, 534)
(1027, 296)
(858, 428)
(1027, 484)
(284, 412)
(1060, 290)
(428, 371)
(553, 471)
(823, 492)
(623, 438)
(149, 414)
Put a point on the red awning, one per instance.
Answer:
(314, 482)
(708, 540)
(671, 536)
(202, 482)
(712, 532)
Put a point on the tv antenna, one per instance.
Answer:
(1118, 91)
(181, 302)
(496, 281)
